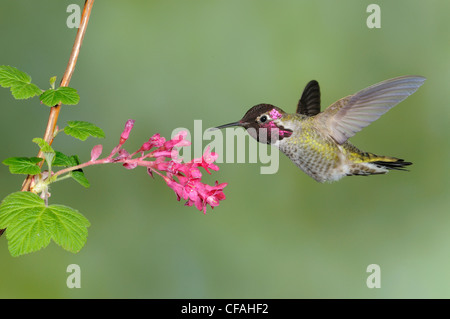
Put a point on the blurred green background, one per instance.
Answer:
(168, 63)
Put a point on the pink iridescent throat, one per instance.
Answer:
(275, 114)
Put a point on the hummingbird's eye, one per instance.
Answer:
(263, 118)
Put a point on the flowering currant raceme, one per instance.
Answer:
(161, 157)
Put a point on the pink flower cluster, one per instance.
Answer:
(184, 178)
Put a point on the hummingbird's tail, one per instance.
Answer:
(373, 164)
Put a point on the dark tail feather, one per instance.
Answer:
(398, 165)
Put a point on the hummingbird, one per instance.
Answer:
(317, 142)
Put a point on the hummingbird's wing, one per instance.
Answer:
(309, 103)
(351, 114)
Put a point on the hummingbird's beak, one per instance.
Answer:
(228, 125)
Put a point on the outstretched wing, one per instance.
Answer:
(351, 114)
(309, 103)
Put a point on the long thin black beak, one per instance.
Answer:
(227, 125)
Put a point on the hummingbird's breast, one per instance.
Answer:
(312, 150)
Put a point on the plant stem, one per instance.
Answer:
(54, 111)
(106, 160)
(80, 166)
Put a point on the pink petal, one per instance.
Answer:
(123, 154)
(126, 132)
(195, 173)
(145, 147)
(177, 140)
(154, 141)
(210, 157)
(130, 165)
(96, 152)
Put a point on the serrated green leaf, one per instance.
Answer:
(69, 227)
(9, 76)
(74, 160)
(19, 82)
(23, 165)
(64, 95)
(30, 225)
(43, 145)
(61, 159)
(78, 175)
(82, 130)
(24, 91)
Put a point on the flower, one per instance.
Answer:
(207, 161)
(215, 194)
(184, 178)
(197, 193)
(154, 141)
(178, 140)
(96, 152)
(126, 132)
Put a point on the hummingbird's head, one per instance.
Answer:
(263, 123)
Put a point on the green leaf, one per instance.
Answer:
(78, 174)
(23, 165)
(25, 91)
(30, 225)
(9, 76)
(66, 161)
(48, 151)
(43, 145)
(19, 82)
(64, 95)
(61, 159)
(52, 81)
(82, 130)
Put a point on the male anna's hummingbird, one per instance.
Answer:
(317, 141)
